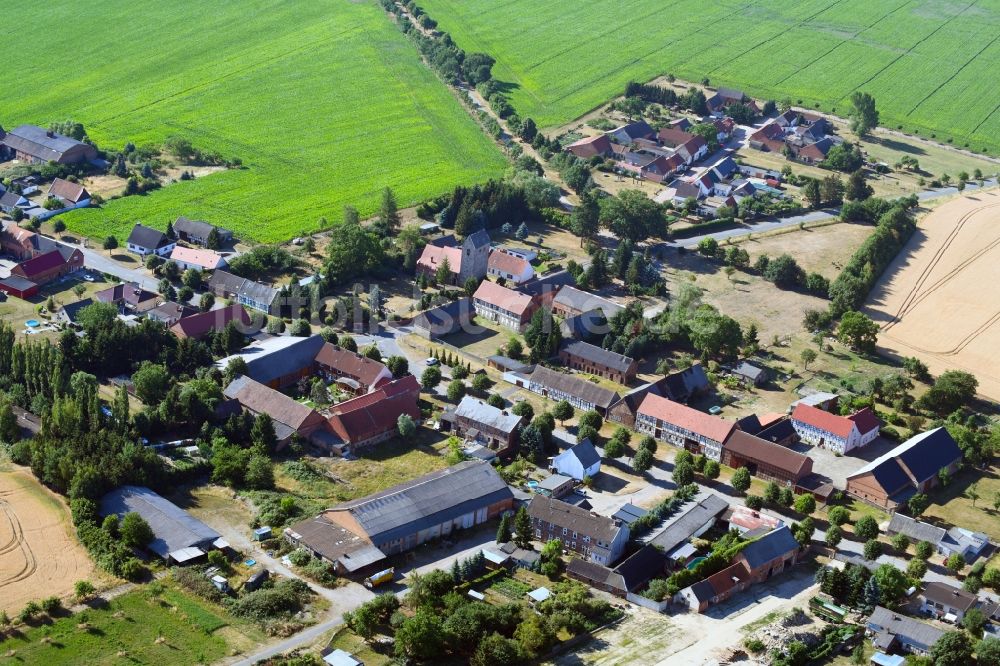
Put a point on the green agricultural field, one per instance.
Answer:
(326, 103)
(930, 64)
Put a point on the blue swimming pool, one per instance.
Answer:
(32, 323)
(693, 563)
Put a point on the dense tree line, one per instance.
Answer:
(893, 230)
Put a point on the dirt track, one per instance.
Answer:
(939, 299)
(39, 554)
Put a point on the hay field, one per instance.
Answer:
(39, 553)
(326, 103)
(929, 63)
(939, 300)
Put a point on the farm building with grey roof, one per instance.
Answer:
(178, 537)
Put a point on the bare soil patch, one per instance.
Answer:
(819, 249)
(39, 554)
(935, 300)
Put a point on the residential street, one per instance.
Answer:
(96, 261)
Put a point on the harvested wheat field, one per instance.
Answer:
(939, 299)
(39, 554)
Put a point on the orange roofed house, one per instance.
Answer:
(354, 372)
(840, 434)
(372, 418)
(510, 268)
(683, 426)
(509, 308)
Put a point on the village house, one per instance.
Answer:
(484, 425)
(70, 195)
(577, 462)
(170, 313)
(765, 460)
(197, 232)
(254, 295)
(373, 417)
(743, 519)
(356, 535)
(32, 144)
(591, 359)
(571, 301)
(510, 268)
(70, 312)
(891, 630)
(23, 244)
(178, 537)
(509, 308)
(679, 386)
(144, 241)
(51, 265)
(278, 361)
(469, 260)
(201, 260)
(630, 576)
(629, 133)
(763, 558)
(355, 373)
(578, 392)
(592, 146)
(129, 298)
(749, 374)
(769, 138)
(596, 538)
(201, 324)
(10, 200)
(950, 604)
(725, 97)
(682, 426)
(912, 467)
(290, 417)
(444, 319)
(955, 540)
(840, 434)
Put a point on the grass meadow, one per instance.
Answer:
(929, 63)
(325, 102)
(129, 629)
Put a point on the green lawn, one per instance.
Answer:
(127, 631)
(952, 505)
(926, 63)
(325, 102)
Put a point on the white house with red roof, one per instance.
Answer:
(510, 268)
(201, 260)
(683, 426)
(511, 309)
(840, 434)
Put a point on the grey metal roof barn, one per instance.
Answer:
(689, 522)
(487, 415)
(915, 529)
(178, 534)
(46, 146)
(887, 623)
(582, 301)
(427, 501)
(269, 359)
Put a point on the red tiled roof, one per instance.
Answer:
(198, 325)
(840, 426)
(362, 368)
(749, 447)
(433, 256)
(671, 136)
(40, 264)
(590, 146)
(769, 131)
(502, 297)
(675, 413)
(375, 413)
(507, 263)
(770, 418)
(722, 581)
(866, 420)
(694, 144)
